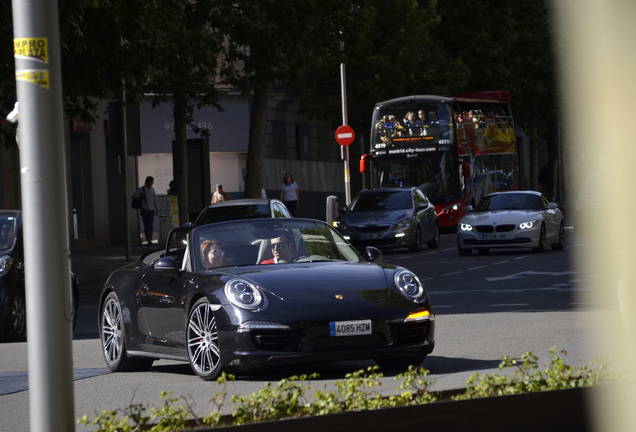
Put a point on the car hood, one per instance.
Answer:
(500, 216)
(376, 217)
(320, 283)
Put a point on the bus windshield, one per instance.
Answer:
(409, 125)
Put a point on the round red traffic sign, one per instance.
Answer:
(345, 135)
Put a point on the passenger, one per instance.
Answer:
(409, 123)
(212, 254)
(282, 248)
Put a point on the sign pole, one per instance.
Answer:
(45, 213)
(347, 174)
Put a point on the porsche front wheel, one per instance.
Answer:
(204, 352)
(113, 336)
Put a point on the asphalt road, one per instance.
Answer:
(487, 306)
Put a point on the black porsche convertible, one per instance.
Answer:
(244, 295)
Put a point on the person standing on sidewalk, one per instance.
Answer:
(149, 207)
(289, 193)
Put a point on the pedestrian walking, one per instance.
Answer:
(289, 193)
(219, 194)
(149, 207)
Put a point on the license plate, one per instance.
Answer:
(371, 236)
(494, 236)
(350, 328)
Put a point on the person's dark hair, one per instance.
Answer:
(285, 178)
(149, 179)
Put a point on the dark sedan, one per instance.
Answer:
(248, 294)
(391, 218)
(13, 319)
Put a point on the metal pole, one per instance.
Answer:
(124, 133)
(347, 174)
(45, 215)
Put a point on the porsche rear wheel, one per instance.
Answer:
(204, 352)
(113, 338)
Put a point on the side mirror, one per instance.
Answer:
(552, 206)
(469, 209)
(372, 255)
(166, 265)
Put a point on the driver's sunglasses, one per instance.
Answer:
(277, 245)
(215, 252)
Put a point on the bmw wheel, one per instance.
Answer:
(560, 244)
(202, 336)
(541, 246)
(113, 337)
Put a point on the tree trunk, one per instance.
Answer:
(180, 155)
(256, 145)
(533, 149)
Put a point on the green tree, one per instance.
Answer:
(509, 46)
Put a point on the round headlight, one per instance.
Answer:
(243, 294)
(409, 285)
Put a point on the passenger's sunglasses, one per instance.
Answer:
(277, 245)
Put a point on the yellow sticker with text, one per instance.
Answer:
(34, 48)
(35, 76)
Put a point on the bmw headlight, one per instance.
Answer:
(409, 285)
(401, 225)
(243, 294)
(465, 227)
(528, 224)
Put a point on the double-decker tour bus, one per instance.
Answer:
(455, 149)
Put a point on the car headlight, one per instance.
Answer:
(463, 226)
(3, 264)
(243, 294)
(409, 285)
(527, 224)
(449, 209)
(401, 225)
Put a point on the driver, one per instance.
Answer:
(282, 248)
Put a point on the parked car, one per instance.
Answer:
(391, 218)
(521, 219)
(208, 300)
(242, 209)
(13, 319)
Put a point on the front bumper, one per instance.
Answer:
(311, 342)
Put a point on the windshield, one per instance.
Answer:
(255, 242)
(411, 125)
(381, 201)
(8, 231)
(510, 201)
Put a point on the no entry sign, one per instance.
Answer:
(345, 135)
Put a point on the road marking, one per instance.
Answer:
(477, 268)
(453, 273)
(501, 262)
(510, 305)
(528, 273)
